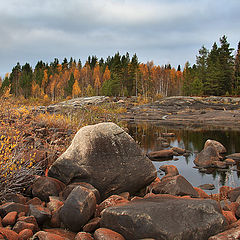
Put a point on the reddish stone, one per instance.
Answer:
(83, 236)
(40, 213)
(201, 193)
(114, 200)
(16, 197)
(230, 217)
(107, 234)
(25, 234)
(233, 207)
(9, 219)
(125, 195)
(170, 171)
(92, 225)
(231, 234)
(20, 225)
(30, 219)
(1, 222)
(61, 232)
(35, 201)
(229, 161)
(8, 234)
(21, 214)
(47, 236)
(224, 192)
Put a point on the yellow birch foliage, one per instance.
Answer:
(76, 91)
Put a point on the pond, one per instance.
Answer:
(146, 135)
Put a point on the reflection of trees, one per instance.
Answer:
(146, 134)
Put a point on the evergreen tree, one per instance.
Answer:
(187, 83)
(14, 79)
(69, 87)
(227, 66)
(237, 72)
(26, 79)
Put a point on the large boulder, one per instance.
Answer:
(207, 156)
(78, 208)
(105, 156)
(165, 217)
(161, 155)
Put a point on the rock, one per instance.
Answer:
(20, 225)
(234, 156)
(165, 217)
(231, 234)
(105, 156)
(109, 202)
(229, 161)
(65, 193)
(162, 154)
(201, 193)
(25, 234)
(9, 219)
(224, 192)
(207, 186)
(83, 236)
(30, 219)
(176, 185)
(170, 170)
(12, 207)
(54, 203)
(92, 225)
(168, 134)
(207, 156)
(8, 234)
(179, 150)
(107, 234)
(55, 219)
(219, 164)
(15, 197)
(78, 208)
(43, 187)
(41, 213)
(34, 201)
(230, 217)
(219, 147)
(61, 232)
(233, 194)
(42, 235)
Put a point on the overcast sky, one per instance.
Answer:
(165, 31)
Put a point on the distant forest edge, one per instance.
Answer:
(216, 72)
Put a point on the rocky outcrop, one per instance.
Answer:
(105, 156)
(161, 155)
(165, 217)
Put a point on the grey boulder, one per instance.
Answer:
(105, 156)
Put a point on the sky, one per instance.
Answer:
(160, 30)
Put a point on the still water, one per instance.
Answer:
(146, 135)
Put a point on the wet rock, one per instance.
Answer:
(219, 147)
(162, 154)
(180, 151)
(176, 185)
(105, 156)
(207, 156)
(78, 208)
(165, 217)
(207, 186)
(44, 187)
(107, 234)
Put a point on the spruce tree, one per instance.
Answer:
(237, 72)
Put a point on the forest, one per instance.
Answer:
(216, 72)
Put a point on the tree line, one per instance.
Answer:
(216, 72)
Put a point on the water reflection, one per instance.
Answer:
(147, 135)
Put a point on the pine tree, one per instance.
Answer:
(237, 72)
(69, 87)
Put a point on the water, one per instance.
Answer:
(146, 135)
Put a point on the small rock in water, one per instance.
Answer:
(168, 134)
(207, 186)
